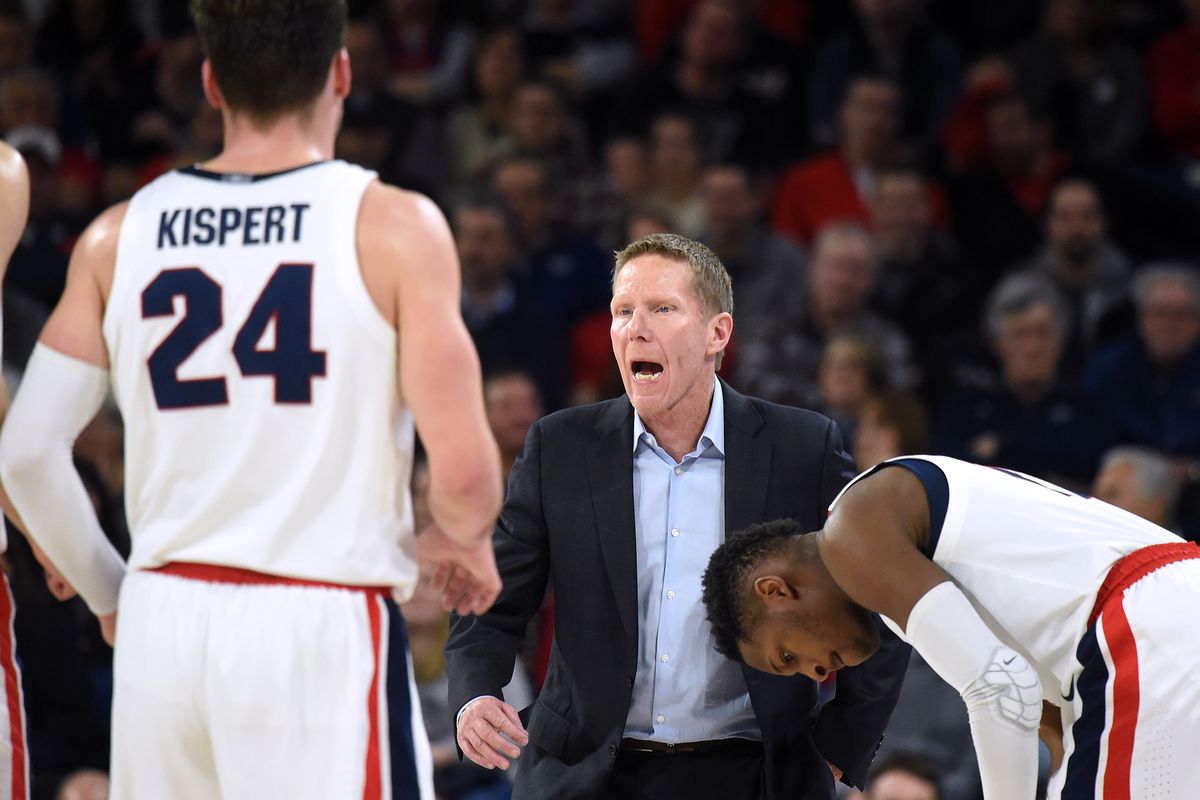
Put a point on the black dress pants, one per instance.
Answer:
(729, 772)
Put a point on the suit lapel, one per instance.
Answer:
(747, 463)
(610, 475)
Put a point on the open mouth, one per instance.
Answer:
(647, 371)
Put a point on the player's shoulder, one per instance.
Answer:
(101, 236)
(12, 165)
(398, 209)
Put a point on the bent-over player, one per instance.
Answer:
(272, 324)
(1014, 591)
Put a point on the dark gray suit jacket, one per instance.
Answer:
(569, 520)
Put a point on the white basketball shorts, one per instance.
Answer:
(242, 686)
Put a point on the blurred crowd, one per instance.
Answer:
(954, 226)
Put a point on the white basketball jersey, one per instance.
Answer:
(1031, 557)
(258, 381)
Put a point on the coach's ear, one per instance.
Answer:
(212, 92)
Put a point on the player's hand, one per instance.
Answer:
(837, 773)
(465, 577)
(55, 582)
(490, 733)
(108, 628)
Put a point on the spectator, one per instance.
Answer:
(567, 272)
(1088, 81)
(509, 324)
(38, 268)
(923, 284)
(397, 137)
(478, 130)
(583, 46)
(850, 373)
(428, 52)
(890, 424)
(626, 182)
(779, 360)
(1148, 385)
(903, 777)
(1141, 481)
(16, 39)
(705, 83)
(1089, 270)
(769, 270)
(542, 125)
(513, 405)
(997, 207)
(840, 184)
(1173, 73)
(31, 97)
(85, 784)
(890, 38)
(1028, 418)
(675, 168)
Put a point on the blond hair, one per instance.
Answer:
(710, 279)
(709, 276)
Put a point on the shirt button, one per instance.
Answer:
(679, 470)
(665, 658)
(671, 594)
(660, 719)
(674, 531)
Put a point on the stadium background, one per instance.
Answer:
(945, 220)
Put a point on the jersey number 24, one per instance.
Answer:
(286, 300)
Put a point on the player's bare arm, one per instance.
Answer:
(870, 544)
(871, 547)
(411, 269)
(63, 388)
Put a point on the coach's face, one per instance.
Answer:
(665, 340)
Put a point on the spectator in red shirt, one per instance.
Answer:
(840, 184)
(1173, 73)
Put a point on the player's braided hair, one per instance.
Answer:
(726, 593)
(270, 57)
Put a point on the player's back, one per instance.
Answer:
(1030, 556)
(258, 381)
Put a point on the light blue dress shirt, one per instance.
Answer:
(684, 690)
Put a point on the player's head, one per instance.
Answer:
(671, 321)
(269, 58)
(773, 605)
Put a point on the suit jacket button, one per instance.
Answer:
(612, 749)
(629, 683)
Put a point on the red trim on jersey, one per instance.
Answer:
(12, 694)
(215, 573)
(1137, 565)
(1123, 649)
(373, 786)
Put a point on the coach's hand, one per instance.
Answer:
(465, 577)
(489, 732)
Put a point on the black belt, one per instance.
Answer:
(670, 748)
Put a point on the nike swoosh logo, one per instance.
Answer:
(1069, 697)
(1008, 661)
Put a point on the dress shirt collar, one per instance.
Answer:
(713, 435)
